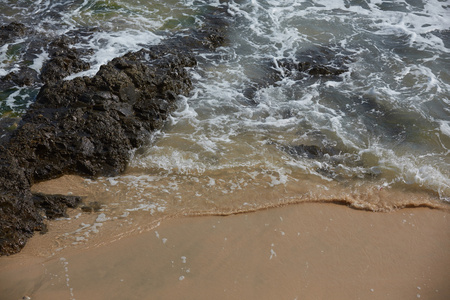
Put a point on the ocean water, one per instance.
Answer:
(383, 125)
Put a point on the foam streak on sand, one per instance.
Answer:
(321, 255)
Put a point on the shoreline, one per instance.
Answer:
(300, 251)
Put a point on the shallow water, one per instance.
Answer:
(385, 121)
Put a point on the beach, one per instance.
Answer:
(242, 149)
(303, 251)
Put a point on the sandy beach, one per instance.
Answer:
(304, 251)
(225, 150)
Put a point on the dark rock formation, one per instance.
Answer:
(55, 206)
(320, 62)
(11, 31)
(315, 62)
(23, 77)
(64, 60)
(92, 206)
(88, 126)
(22, 213)
(212, 34)
(7, 125)
(19, 217)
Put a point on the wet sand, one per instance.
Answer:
(304, 251)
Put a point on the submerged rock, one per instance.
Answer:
(55, 206)
(212, 34)
(309, 151)
(22, 77)
(320, 62)
(11, 32)
(93, 206)
(332, 160)
(26, 45)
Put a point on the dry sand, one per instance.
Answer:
(305, 251)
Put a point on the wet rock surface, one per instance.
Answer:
(310, 151)
(11, 31)
(87, 126)
(212, 34)
(23, 77)
(55, 206)
(320, 62)
(64, 61)
(7, 126)
(93, 206)
(19, 217)
(329, 159)
(27, 45)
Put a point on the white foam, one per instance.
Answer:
(39, 61)
(152, 208)
(111, 45)
(102, 218)
(214, 121)
(445, 127)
